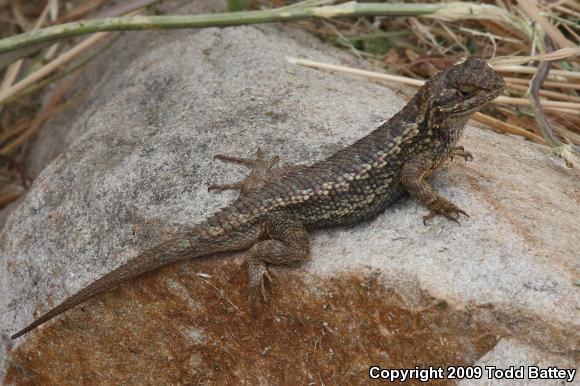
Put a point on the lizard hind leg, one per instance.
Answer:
(287, 245)
(262, 170)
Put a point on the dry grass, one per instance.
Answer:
(424, 46)
(411, 48)
(23, 80)
(414, 49)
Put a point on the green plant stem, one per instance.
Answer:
(444, 11)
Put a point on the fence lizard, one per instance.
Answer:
(278, 205)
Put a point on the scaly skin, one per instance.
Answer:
(278, 205)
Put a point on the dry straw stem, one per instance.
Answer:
(569, 107)
(7, 94)
(546, 84)
(52, 66)
(28, 129)
(12, 72)
(507, 128)
(546, 93)
(563, 53)
(18, 128)
(9, 197)
(356, 71)
(532, 70)
(442, 11)
(554, 33)
(80, 11)
(545, 103)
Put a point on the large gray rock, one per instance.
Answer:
(390, 291)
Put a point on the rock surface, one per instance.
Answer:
(510, 352)
(389, 292)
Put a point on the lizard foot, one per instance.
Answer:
(260, 282)
(445, 208)
(459, 151)
(263, 170)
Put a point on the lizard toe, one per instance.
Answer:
(446, 209)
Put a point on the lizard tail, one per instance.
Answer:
(167, 252)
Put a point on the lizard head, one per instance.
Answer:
(464, 88)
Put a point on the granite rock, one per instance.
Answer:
(135, 166)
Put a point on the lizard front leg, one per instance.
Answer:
(413, 179)
(287, 245)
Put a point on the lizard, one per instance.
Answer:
(277, 205)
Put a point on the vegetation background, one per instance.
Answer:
(534, 44)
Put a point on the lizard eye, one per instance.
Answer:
(464, 94)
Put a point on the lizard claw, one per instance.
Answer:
(237, 160)
(446, 209)
(266, 285)
(261, 282)
(460, 152)
(428, 217)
